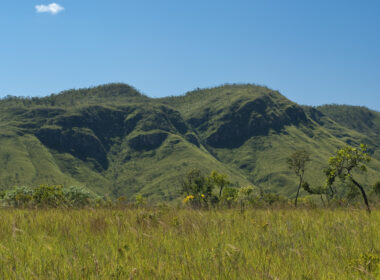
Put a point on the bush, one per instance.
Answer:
(140, 200)
(80, 197)
(197, 190)
(374, 195)
(376, 188)
(20, 196)
(270, 197)
(51, 196)
(229, 196)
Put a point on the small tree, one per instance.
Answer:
(229, 196)
(197, 188)
(344, 163)
(220, 181)
(245, 194)
(297, 163)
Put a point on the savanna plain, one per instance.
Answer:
(171, 243)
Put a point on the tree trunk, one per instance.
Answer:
(241, 207)
(298, 192)
(331, 196)
(363, 194)
(323, 201)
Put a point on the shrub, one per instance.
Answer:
(20, 196)
(51, 196)
(140, 200)
(121, 201)
(80, 197)
(198, 189)
(376, 188)
(229, 196)
(270, 197)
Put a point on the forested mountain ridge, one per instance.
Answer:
(118, 141)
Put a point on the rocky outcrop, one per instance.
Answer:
(79, 142)
(253, 118)
(192, 139)
(147, 141)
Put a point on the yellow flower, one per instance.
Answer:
(187, 198)
(202, 195)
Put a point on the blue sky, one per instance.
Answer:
(314, 52)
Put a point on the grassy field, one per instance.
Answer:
(187, 244)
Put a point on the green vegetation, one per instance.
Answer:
(297, 163)
(118, 142)
(344, 163)
(50, 196)
(165, 243)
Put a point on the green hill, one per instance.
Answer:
(117, 141)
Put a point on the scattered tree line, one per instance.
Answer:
(341, 166)
(215, 190)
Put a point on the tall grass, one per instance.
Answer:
(189, 244)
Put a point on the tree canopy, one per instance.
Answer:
(347, 160)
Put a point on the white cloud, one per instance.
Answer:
(52, 8)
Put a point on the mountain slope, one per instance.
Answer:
(118, 142)
(256, 128)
